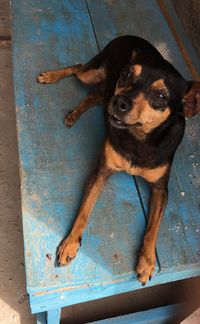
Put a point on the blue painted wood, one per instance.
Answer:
(56, 162)
(66, 296)
(53, 316)
(161, 315)
(181, 222)
(41, 318)
(140, 17)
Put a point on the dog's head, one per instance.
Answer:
(147, 94)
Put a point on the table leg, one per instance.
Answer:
(51, 316)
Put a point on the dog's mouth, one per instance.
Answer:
(116, 122)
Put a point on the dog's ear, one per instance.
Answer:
(133, 55)
(191, 99)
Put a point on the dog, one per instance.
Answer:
(146, 101)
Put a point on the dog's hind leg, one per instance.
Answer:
(56, 75)
(91, 100)
(92, 73)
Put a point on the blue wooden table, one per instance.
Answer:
(55, 162)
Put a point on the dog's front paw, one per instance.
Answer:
(68, 250)
(145, 267)
(48, 77)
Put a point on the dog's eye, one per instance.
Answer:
(160, 95)
(126, 74)
(158, 99)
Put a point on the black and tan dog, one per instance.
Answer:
(146, 102)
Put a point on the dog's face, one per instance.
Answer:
(145, 96)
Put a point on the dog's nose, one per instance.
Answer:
(121, 103)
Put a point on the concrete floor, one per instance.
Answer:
(13, 300)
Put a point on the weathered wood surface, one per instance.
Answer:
(4, 19)
(56, 162)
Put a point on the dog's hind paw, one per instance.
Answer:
(48, 77)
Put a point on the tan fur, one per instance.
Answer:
(142, 112)
(116, 162)
(147, 259)
(56, 75)
(92, 76)
(87, 205)
(137, 70)
(91, 100)
(69, 248)
(121, 90)
(159, 84)
(139, 133)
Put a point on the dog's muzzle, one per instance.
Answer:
(118, 108)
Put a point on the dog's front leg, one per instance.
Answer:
(69, 247)
(147, 258)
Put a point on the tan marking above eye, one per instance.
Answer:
(137, 70)
(160, 85)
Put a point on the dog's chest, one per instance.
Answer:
(116, 163)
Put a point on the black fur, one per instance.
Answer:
(160, 145)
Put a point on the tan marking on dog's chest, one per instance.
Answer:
(116, 162)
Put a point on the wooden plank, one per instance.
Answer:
(190, 56)
(5, 19)
(179, 241)
(160, 315)
(142, 18)
(56, 162)
(67, 296)
(188, 17)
